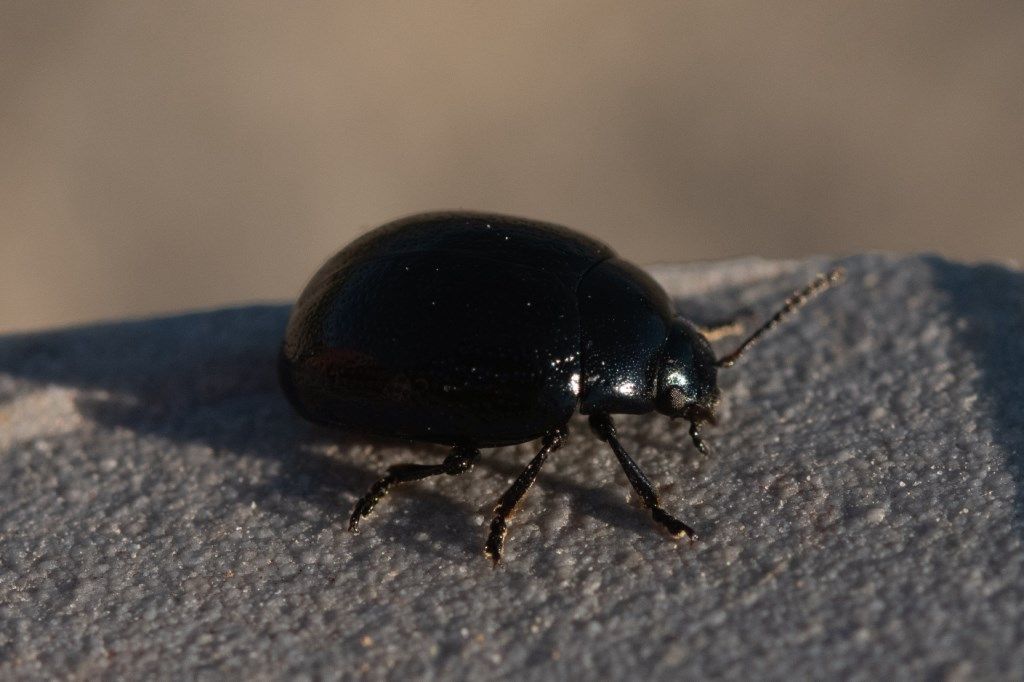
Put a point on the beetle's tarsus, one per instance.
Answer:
(674, 526)
(368, 501)
(458, 461)
(699, 442)
(495, 540)
(509, 502)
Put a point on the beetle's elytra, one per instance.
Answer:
(475, 330)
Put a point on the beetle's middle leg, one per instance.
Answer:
(604, 427)
(458, 461)
(509, 502)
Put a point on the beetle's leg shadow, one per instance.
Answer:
(177, 387)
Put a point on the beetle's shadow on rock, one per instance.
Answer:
(209, 379)
(986, 304)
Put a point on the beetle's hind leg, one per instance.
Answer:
(509, 502)
(458, 461)
(604, 427)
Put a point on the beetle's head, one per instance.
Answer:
(687, 375)
(688, 372)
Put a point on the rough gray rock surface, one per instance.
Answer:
(163, 513)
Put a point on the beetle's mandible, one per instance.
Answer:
(474, 330)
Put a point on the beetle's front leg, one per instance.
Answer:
(604, 427)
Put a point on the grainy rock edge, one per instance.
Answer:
(163, 513)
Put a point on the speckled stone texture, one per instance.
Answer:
(163, 513)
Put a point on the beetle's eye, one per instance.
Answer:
(676, 399)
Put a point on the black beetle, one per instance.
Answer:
(475, 330)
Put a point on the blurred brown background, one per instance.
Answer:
(164, 156)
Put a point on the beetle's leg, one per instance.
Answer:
(459, 460)
(508, 503)
(604, 427)
(697, 440)
(721, 329)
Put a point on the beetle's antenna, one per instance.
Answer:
(793, 303)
